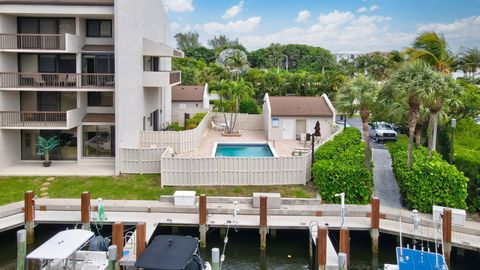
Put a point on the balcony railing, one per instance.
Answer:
(175, 77)
(32, 42)
(33, 119)
(56, 80)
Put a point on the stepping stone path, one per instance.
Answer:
(44, 188)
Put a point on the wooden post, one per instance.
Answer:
(85, 210)
(141, 235)
(117, 238)
(29, 209)
(322, 247)
(21, 248)
(345, 243)
(263, 222)
(375, 223)
(202, 219)
(447, 233)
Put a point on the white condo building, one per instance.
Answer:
(94, 73)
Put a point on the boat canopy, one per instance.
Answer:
(62, 245)
(169, 252)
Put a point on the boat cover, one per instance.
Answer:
(420, 260)
(169, 252)
(62, 245)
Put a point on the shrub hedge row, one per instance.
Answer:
(339, 167)
(430, 181)
(194, 121)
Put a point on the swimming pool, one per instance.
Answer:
(243, 150)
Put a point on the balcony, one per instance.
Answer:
(57, 81)
(41, 120)
(67, 43)
(161, 78)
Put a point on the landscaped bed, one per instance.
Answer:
(131, 187)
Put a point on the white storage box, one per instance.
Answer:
(184, 198)
(274, 201)
(458, 215)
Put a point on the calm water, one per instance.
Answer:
(288, 250)
(243, 150)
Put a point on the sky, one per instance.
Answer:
(336, 25)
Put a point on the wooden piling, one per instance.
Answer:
(202, 219)
(117, 238)
(322, 247)
(85, 210)
(447, 234)
(21, 248)
(29, 209)
(141, 235)
(263, 222)
(375, 223)
(344, 246)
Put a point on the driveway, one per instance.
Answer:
(385, 184)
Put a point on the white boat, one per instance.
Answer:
(63, 251)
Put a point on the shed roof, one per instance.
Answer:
(299, 106)
(185, 93)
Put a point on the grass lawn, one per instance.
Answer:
(131, 187)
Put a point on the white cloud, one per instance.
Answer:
(373, 8)
(239, 26)
(461, 32)
(335, 18)
(233, 11)
(362, 10)
(178, 5)
(303, 16)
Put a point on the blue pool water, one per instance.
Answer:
(243, 150)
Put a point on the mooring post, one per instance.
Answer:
(263, 222)
(85, 210)
(342, 261)
(141, 235)
(447, 233)
(375, 223)
(29, 209)
(202, 219)
(215, 259)
(322, 247)
(21, 248)
(112, 257)
(345, 244)
(117, 238)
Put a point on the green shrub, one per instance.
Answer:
(174, 127)
(194, 121)
(249, 105)
(340, 168)
(430, 181)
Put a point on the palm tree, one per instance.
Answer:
(234, 60)
(469, 60)
(410, 85)
(359, 95)
(433, 50)
(187, 40)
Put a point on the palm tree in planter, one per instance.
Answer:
(45, 147)
(360, 95)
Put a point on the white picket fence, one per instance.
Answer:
(138, 160)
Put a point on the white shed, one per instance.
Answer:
(190, 96)
(288, 117)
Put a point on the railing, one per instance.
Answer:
(33, 119)
(32, 42)
(60, 80)
(175, 77)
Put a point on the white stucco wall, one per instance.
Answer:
(267, 116)
(326, 126)
(135, 20)
(178, 105)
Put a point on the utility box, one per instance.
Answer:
(274, 201)
(184, 198)
(459, 216)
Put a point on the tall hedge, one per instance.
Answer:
(339, 167)
(430, 181)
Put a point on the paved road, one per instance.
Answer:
(385, 184)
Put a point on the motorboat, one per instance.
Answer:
(172, 252)
(64, 251)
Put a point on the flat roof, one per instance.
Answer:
(60, 2)
(99, 117)
(188, 93)
(299, 106)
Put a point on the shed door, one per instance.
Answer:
(301, 127)
(287, 129)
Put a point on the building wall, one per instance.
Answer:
(326, 126)
(178, 105)
(135, 20)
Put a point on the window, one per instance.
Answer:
(98, 141)
(99, 28)
(275, 122)
(100, 99)
(151, 63)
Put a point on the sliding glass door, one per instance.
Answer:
(99, 141)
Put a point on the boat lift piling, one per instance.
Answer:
(21, 248)
(141, 236)
(344, 245)
(375, 223)
(29, 210)
(322, 235)
(202, 219)
(447, 234)
(263, 222)
(85, 210)
(117, 238)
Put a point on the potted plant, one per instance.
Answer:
(45, 146)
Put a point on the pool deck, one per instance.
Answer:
(283, 148)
